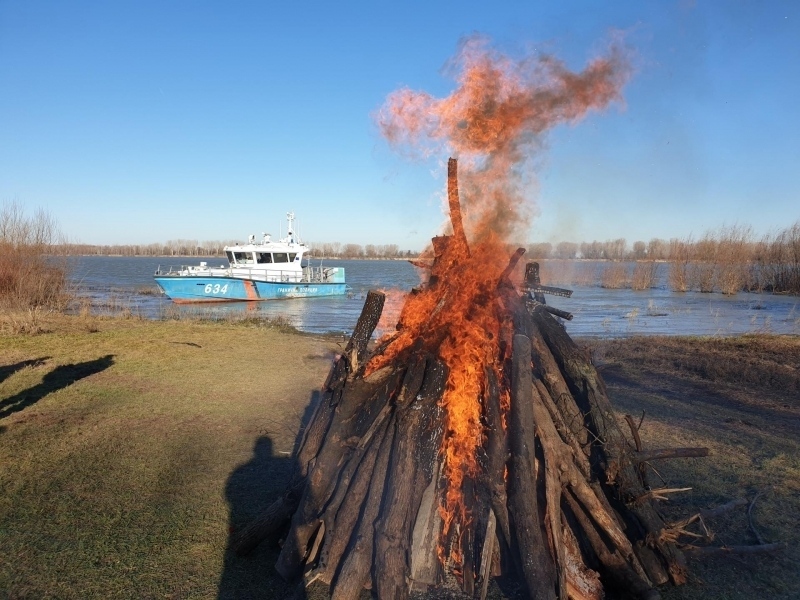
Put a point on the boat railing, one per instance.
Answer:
(317, 274)
(170, 269)
(239, 271)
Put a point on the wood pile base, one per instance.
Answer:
(562, 503)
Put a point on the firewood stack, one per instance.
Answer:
(554, 496)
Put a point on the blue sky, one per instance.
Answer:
(139, 122)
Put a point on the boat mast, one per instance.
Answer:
(290, 229)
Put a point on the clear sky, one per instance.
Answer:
(139, 122)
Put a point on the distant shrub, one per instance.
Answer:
(31, 276)
(734, 253)
(644, 275)
(680, 253)
(615, 276)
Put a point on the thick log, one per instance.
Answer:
(355, 569)
(592, 503)
(411, 470)
(352, 357)
(412, 382)
(615, 565)
(535, 562)
(548, 370)
(361, 403)
(567, 316)
(454, 204)
(582, 583)
(563, 432)
(642, 560)
(532, 280)
(425, 566)
(341, 523)
(511, 264)
(557, 457)
(614, 454)
(487, 552)
(497, 455)
(269, 522)
(356, 348)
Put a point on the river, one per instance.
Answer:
(115, 284)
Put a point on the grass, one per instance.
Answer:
(122, 452)
(130, 449)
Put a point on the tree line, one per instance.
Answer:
(216, 249)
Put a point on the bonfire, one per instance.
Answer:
(476, 439)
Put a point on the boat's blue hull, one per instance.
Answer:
(220, 289)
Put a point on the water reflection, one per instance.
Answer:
(118, 282)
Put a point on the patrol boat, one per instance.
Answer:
(264, 270)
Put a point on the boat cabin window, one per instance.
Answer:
(280, 257)
(229, 254)
(263, 257)
(243, 258)
(291, 256)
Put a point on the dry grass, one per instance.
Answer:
(130, 449)
(740, 397)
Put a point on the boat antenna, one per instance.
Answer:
(290, 227)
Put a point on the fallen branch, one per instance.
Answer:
(663, 453)
(659, 494)
(710, 513)
(725, 550)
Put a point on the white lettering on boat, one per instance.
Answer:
(215, 288)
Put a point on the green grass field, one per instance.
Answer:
(130, 450)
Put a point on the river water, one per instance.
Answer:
(114, 284)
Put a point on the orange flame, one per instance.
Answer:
(491, 121)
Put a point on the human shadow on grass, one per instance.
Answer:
(59, 378)
(7, 371)
(250, 490)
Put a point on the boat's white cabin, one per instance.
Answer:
(285, 254)
(270, 255)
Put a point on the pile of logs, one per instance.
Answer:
(562, 504)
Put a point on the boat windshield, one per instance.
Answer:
(280, 257)
(229, 254)
(292, 256)
(243, 258)
(263, 257)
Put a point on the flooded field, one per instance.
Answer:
(126, 284)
